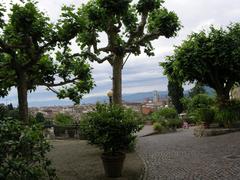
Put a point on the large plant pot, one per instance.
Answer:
(113, 164)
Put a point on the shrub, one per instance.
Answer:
(200, 101)
(3, 111)
(168, 113)
(40, 117)
(164, 113)
(111, 128)
(228, 115)
(199, 109)
(8, 111)
(158, 127)
(206, 115)
(174, 123)
(63, 119)
(23, 152)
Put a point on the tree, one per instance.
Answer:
(197, 89)
(128, 27)
(210, 58)
(175, 92)
(33, 53)
(175, 89)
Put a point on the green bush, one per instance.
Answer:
(164, 113)
(23, 152)
(227, 116)
(111, 128)
(40, 117)
(8, 111)
(3, 111)
(158, 127)
(62, 119)
(167, 117)
(199, 109)
(193, 118)
(206, 115)
(174, 123)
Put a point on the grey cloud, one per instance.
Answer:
(141, 73)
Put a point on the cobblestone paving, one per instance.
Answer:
(181, 156)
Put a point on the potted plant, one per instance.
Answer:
(112, 128)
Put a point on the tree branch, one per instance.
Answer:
(139, 30)
(60, 83)
(53, 90)
(145, 38)
(93, 57)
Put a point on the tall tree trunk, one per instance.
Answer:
(22, 98)
(117, 80)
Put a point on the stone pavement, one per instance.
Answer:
(181, 156)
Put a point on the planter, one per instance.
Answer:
(113, 164)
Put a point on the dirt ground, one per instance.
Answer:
(76, 160)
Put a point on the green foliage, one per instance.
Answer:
(200, 108)
(3, 111)
(28, 59)
(165, 113)
(174, 123)
(148, 5)
(164, 22)
(23, 152)
(129, 26)
(175, 92)
(197, 89)
(8, 111)
(113, 7)
(111, 128)
(200, 101)
(167, 117)
(40, 117)
(206, 115)
(210, 58)
(2, 10)
(63, 119)
(229, 114)
(157, 126)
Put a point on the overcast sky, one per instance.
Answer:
(142, 73)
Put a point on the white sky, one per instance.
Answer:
(142, 73)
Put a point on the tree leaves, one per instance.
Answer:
(28, 44)
(211, 58)
(164, 22)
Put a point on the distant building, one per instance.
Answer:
(152, 104)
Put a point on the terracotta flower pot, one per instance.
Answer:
(113, 164)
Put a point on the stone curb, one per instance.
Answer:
(201, 132)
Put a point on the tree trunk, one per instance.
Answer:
(223, 98)
(117, 80)
(22, 99)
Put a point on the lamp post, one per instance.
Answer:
(110, 95)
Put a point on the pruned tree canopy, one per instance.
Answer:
(129, 27)
(34, 52)
(211, 58)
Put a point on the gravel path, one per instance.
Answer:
(76, 160)
(181, 156)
